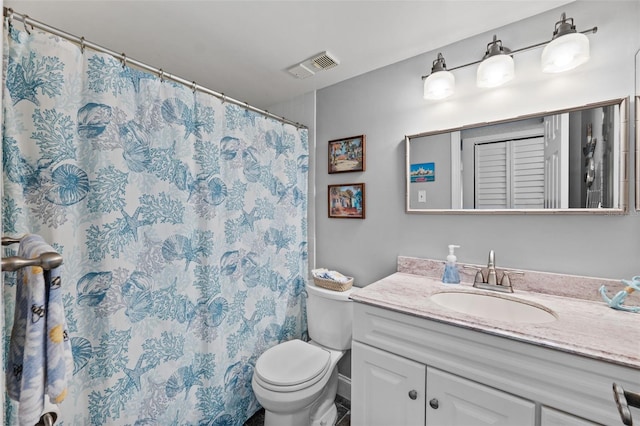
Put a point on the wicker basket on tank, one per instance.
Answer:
(333, 285)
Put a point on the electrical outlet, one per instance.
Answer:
(422, 196)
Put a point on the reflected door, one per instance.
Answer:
(510, 174)
(556, 161)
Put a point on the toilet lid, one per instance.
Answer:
(292, 363)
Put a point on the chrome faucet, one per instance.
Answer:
(491, 282)
(492, 278)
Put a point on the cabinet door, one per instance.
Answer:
(454, 401)
(386, 389)
(551, 417)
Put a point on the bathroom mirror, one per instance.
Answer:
(637, 142)
(566, 161)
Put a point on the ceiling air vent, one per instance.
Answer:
(324, 61)
(310, 67)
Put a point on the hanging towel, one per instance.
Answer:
(40, 361)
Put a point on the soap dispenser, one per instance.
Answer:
(451, 274)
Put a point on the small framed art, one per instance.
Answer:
(347, 155)
(423, 172)
(346, 201)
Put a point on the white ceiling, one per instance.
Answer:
(243, 48)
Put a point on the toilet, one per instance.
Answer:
(296, 382)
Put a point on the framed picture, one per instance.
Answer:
(347, 155)
(423, 172)
(346, 201)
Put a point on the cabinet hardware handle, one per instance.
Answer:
(413, 394)
(434, 403)
(624, 399)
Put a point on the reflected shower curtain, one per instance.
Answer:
(182, 223)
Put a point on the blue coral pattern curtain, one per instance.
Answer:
(182, 223)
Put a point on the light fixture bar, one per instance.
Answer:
(522, 49)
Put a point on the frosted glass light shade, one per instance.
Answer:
(495, 70)
(439, 85)
(565, 53)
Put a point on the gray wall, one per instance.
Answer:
(387, 104)
(303, 110)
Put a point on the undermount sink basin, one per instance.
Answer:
(498, 307)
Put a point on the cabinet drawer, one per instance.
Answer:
(551, 417)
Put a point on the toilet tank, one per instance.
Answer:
(329, 316)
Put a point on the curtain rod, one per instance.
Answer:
(27, 21)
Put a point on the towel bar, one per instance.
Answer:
(47, 419)
(47, 261)
(624, 400)
(9, 240)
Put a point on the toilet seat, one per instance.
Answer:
(291, 366)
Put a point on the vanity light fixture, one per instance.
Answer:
(497, 65)
(566, 50)
(440, 83)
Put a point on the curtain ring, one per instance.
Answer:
(9, 18)
(193, 86)
(161, 75)
(223, 97)
(124, 60)
(24, 22)
(82, 45)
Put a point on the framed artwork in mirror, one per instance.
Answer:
(423, 172)
(346, 201)
(347, 154)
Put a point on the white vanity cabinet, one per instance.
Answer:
(455, 401)
(408, 370)
(391, 389)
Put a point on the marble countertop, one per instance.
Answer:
(584, 327)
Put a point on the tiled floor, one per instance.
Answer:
(344, 414)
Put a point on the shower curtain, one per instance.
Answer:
(182, 223)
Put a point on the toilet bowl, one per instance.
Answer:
(296, 384)
(295, 381)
